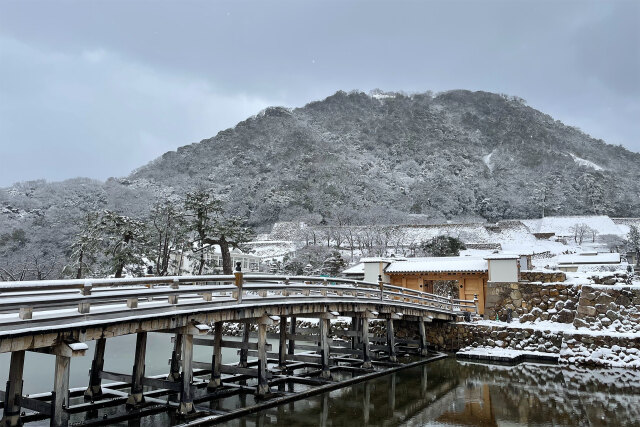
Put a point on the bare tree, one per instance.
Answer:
(580, 231)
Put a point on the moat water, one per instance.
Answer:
(442, 393)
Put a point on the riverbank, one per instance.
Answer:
(579, 324)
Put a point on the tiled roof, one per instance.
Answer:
(438, 265)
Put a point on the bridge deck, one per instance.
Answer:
(58, 317)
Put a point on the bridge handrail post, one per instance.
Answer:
(86, 288)
(381, 285)
(239, 281)
(451, 302)
(475, 302)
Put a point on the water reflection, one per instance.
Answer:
(449, 392)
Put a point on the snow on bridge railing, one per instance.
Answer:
(110, 294)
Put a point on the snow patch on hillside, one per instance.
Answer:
(583, 162)
(487, 160)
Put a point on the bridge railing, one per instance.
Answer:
(124, 294)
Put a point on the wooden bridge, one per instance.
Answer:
(60, 317)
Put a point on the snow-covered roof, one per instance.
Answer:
(589, 258)
(561, 225)
(382, 259)
(502, 256)
(355, 269)
(438, 265)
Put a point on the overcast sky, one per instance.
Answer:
(97, 89)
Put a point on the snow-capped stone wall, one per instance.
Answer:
(601, 349)
(542, 276)
(531, 301)
(610, 308)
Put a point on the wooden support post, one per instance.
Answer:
(263, 386)
(94, 390)
(136, 397)
(325, 325)
(245, 351)
(239, 281)
(282, 348)
(364, 337)
(13, 391)
(176, 357)
(354, 327)
(216, 360)
(60, 395)
(391, 341)
(381, 286)
(423, 337)
(475, 302)
(292, 332)
(186, 392)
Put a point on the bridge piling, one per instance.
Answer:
(136, 397)
(391, 340)
(94, 390)
(245, 341)
(292, 332)
(364, 338)
(423, 337)
(263, 384)
(325, 327)
(216, 360)
(60, 395)
(186, 392)
(282, 348)
(176, 358)
(13, 391)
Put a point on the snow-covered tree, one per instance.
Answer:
(333, 265)
(442, 246)
(124, 242)
(85, 247)
(633, 238)
(167, 234)
(211, 225)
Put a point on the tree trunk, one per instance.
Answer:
(201, 267)
(79, 274)
(227, 267)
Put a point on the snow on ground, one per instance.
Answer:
(487, 160)
(562, 225)
(584, 162)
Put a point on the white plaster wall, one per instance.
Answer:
(503, 270)
(374, 269)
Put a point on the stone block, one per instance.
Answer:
(587, 310)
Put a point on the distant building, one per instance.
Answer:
(213, 256)
(470, 274)
(572, 262)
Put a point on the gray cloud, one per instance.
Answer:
(103, 87)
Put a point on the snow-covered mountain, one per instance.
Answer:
(457, 155)
(355, 158)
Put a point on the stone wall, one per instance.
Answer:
(612, 349)
(602, 307)
(530, 301)
(542, 276)
(454, 336)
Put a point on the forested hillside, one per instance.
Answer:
(355, 158)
